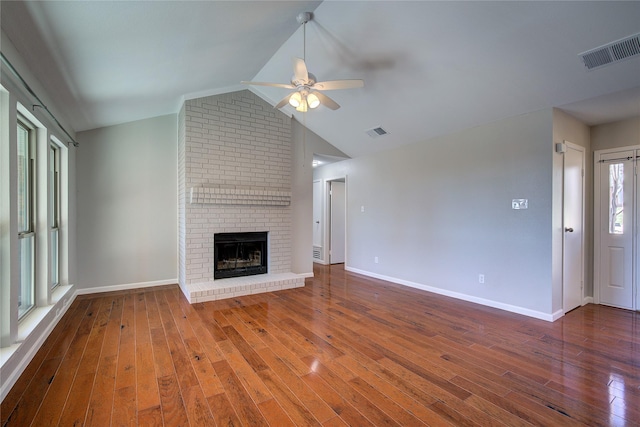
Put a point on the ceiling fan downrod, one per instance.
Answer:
(303, 18)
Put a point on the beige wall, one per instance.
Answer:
(617, 134)
(622, 133)
(568, 128)
(305, 144)
(611, 135)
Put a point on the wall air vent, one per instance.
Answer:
(612, 52)
(376, 132)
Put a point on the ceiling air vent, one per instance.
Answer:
(612, 52)
(376, 132)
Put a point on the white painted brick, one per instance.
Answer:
(237, 140)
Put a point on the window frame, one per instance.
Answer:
(28, 232)
(54, 211)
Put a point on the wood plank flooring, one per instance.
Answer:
(343, 350)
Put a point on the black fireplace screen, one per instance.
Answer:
(239, 254)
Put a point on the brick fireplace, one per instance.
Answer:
(234, 176)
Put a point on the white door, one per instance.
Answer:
(338, 222)
(616, 206)
(317, 213)
(573, 220)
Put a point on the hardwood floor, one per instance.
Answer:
(343, 350)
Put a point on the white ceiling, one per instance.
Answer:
(109, 62)
(430, 68)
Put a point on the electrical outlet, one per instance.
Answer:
(480, 278)
(362, 208)
(375, 260)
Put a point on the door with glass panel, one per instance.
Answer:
(614, 215)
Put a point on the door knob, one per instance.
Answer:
(568, 229)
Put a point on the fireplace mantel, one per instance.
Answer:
(239, 196)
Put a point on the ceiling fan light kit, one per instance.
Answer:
(295, 99)
(313, 100)
(307, 89)
(301, 101)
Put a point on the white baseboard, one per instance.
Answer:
(321, 262)
(587, 300)
(461, 296)
(126, 287)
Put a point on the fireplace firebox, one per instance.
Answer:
(239, 254)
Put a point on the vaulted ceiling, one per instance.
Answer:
(430, 68)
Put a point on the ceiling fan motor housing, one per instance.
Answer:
(311, 80)
(304, 17)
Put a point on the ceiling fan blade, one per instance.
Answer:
(300, 70)
(326, 101)
(284, 101)
(286, 86)
(339, 84)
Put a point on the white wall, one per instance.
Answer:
(438, 213)
(127, 204)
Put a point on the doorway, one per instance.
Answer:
(317, 221)
(616, 223)
(337, 221)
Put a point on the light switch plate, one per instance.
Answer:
(520, 204)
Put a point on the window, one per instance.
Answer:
(34, 250)
(54, 215)
(616, 198)
(26, 214)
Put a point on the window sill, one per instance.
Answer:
(34, 330)
(37, 315)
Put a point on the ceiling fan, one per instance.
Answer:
(307, 89)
